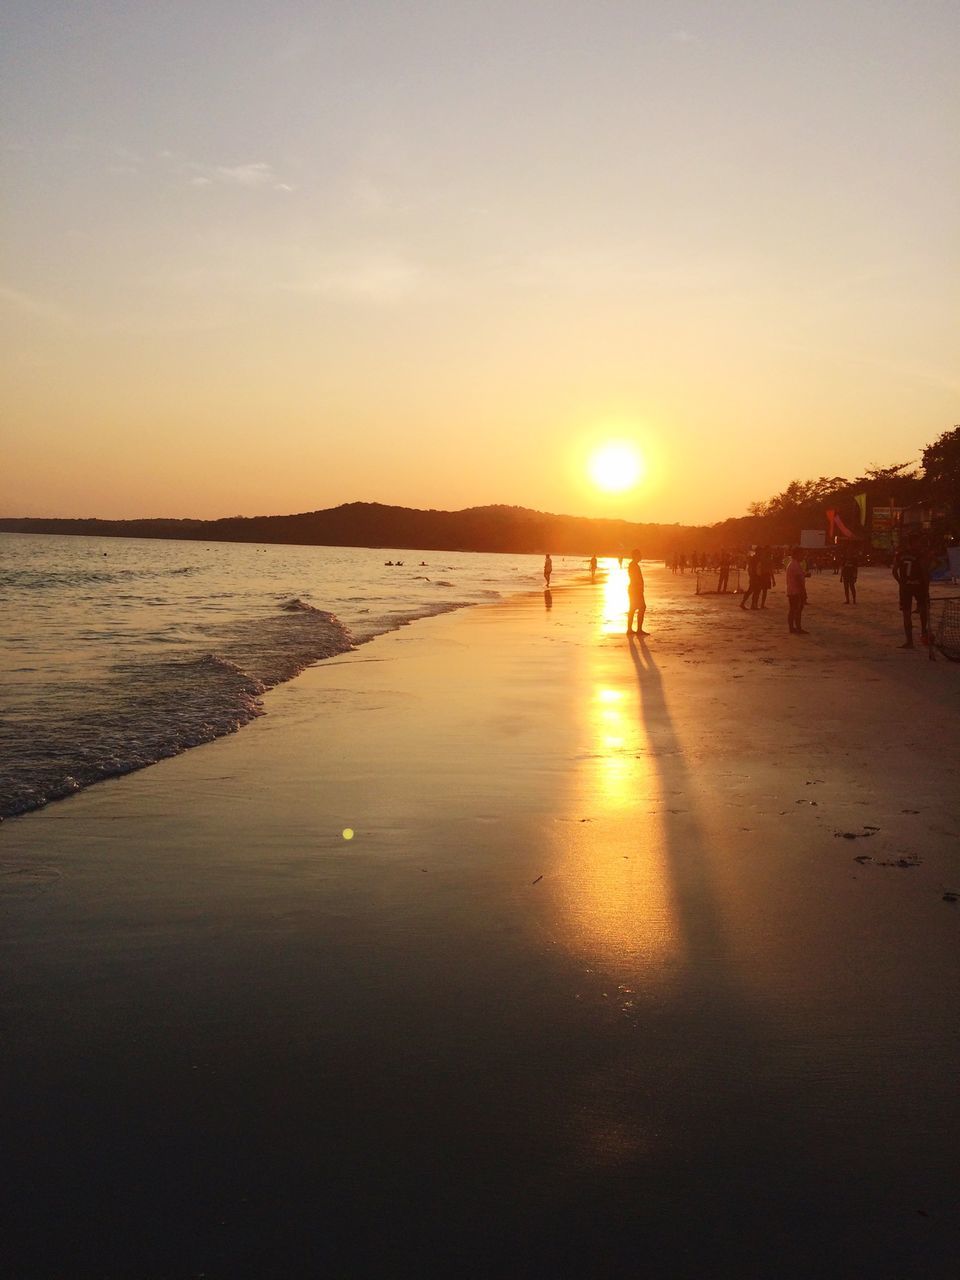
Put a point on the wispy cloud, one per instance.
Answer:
(252, 174)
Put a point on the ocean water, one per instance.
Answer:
(117, 652)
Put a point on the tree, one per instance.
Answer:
(941, 467)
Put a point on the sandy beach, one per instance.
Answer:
(641, 961)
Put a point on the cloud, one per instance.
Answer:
(252, 174)
(256, 174)
(682, 37)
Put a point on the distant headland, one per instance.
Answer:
(371, 524)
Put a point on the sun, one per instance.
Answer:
(616, 467)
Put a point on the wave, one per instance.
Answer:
(296, 605)
(148, 711)
(55, 579)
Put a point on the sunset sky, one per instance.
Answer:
(272, 257)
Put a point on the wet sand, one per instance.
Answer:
(638, 963)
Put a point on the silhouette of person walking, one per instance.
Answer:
(848, 575)
(547, 569)
(593, 568)
(637, 600)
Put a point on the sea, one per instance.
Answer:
(118, 652)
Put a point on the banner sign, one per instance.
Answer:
(882, 524)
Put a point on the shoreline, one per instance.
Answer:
(599, 975)
(217, 710)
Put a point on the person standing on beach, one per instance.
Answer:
(724, 571)
(753, 579)
(765, 578)
(547, 569)
(593, 568)
(637, 601)
(796, 592)
(911, 568)
(848, 575)
(723, 577)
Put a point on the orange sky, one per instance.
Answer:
(307, 257)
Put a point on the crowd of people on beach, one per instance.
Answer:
(912, 564)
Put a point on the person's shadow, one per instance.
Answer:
(685, 843)
(548, 598)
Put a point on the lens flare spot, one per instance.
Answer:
(348, 833)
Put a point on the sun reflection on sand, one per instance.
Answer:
(617, 900)
(614, 608)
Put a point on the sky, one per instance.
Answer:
(270, 257)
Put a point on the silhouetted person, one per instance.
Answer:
(753, 580)
(547, 569)
(848, 575)
(911, 568)
(796, 592)
(593, 568)
(765, 576)
(724, 570)
(637, 601)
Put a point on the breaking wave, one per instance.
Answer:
(149, 710)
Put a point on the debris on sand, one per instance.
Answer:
(538, 879)
(951, 896)
(856, 835)
(907, 860)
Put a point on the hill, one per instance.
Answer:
(371, 524)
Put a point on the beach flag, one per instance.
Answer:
(833, 519)
(861, 500)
